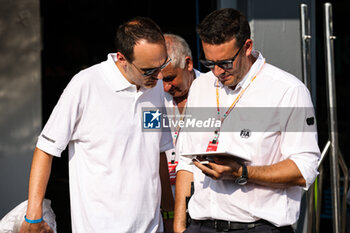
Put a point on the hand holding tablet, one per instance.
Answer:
(205, 157)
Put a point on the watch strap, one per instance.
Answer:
(243, 179)
(244, 172)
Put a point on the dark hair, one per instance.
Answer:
(223, 25)
(139, 28)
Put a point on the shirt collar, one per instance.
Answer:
(260, 60)
(113, 75)
(196, 73)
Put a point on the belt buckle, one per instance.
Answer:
(228, 227)
(219, 226)
(216, 226)
(251, 225)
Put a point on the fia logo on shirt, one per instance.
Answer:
(151, 119)
(245, 133)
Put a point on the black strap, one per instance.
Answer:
(221, 225)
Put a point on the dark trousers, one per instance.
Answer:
(197, 227)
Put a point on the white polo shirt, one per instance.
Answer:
(174, 115)
(113, 165)
(273, 135)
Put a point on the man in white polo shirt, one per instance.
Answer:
(266, 116)
(177, 79)
(114, 165)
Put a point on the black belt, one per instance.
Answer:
(221, 225)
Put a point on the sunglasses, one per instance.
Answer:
(224, 64)
(152, 71)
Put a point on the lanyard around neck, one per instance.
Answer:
(178, 128)
(222, 119)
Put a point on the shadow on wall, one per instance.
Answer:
(20, 97)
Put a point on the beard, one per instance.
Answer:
(230, 79)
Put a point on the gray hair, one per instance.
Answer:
(177, 49)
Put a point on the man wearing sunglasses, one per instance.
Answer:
(115, 169)
(261, 194)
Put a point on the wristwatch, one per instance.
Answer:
(243, 179)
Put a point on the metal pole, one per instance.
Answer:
(305, 45)
(334, 162)
(319, 199)
(305, 39)
(320, 186)
(324, 152)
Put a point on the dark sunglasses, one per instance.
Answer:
(152, 71)
(224, 64)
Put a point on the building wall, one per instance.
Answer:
(20, 97)
(275, 30)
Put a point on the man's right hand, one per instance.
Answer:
(41, 227)
(39, 177)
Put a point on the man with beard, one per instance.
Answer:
(261, 194)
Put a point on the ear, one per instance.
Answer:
(189, 63)
(249, 47)
(121, 58)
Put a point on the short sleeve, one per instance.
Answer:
(185, 163)
(166, 142)
(184, 141)
(62, 124)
